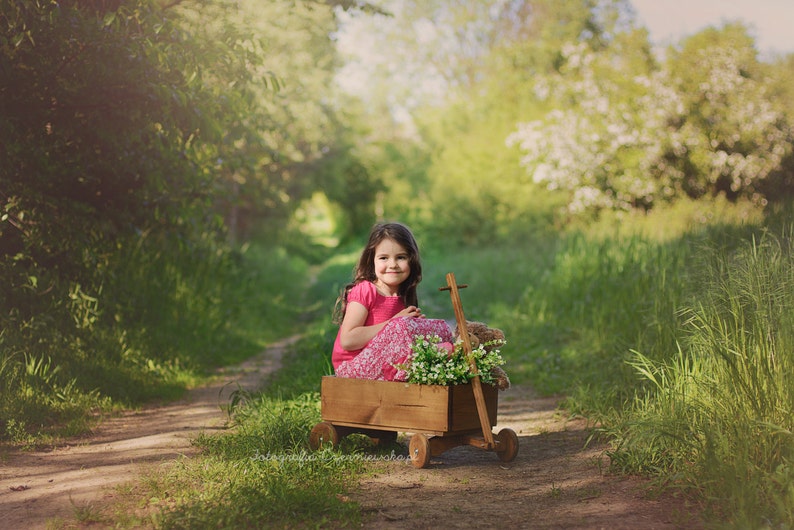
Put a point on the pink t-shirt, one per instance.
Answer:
(380, 308)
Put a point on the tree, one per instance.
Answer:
(732, 135)
(107, 127)
(271, 155)
(627, 134)
(457, 75)
(781, 90)
(128, 130)
(108, 131)
(597, 143)
(471, 165)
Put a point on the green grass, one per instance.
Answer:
(262, 474)
(158, 324)
(717, 416)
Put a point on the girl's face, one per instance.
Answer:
(392, 266)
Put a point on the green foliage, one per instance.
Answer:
(734, 136)
(139, 136)
(578, 316)
(312, 361)
(100, 153)
(261, 475)
(670, 329)
(464, 71)
(35, 393)
(253, 491)
(717, 415)
(543, 105)
(497, 278)
(121, 122)
(288, 143)
(100, 135)
(578, 310)
(476, 191)
(171, 320)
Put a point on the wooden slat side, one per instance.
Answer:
(385, 404)
(463, 407)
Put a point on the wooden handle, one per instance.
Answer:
(476, 384)
(448, 288)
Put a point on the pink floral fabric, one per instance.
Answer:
(392, 345)
(380, 308)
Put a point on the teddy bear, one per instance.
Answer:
(480, 333)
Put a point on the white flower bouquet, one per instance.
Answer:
(434, 362)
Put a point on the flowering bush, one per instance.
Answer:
(432, 364)
(703, 124)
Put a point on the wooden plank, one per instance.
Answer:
(463, 408)
(393, 405)
(385, 404)
(360, 428)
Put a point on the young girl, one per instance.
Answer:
(379, 310)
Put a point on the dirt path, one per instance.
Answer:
(39, 489)
(554, 482)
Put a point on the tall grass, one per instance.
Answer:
(719, 416)
(571, 306)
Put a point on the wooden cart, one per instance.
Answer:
(441, 417)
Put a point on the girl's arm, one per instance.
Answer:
(354, 335)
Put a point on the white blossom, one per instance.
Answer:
(621, 142)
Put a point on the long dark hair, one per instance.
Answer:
(365, 268)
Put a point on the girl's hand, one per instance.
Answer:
(411, 311)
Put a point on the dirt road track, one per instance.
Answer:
(557, 481)
(45, 486)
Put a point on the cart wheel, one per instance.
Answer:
(419, 449)
(508, 442)
(323, 433)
